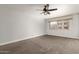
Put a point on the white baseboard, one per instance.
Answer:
(5, 43)
(77, 37)
(20, 39)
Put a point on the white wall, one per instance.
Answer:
(73, 32)
(20, 21)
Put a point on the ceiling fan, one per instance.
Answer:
(46, 9)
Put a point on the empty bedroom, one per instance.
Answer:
(39, 28)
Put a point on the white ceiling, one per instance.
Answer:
(63, 9)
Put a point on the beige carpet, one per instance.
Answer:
(43, 45)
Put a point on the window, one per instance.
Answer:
(62, 24)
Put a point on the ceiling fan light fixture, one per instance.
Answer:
(46, 9)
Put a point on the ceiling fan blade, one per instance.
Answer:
(52, 9)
